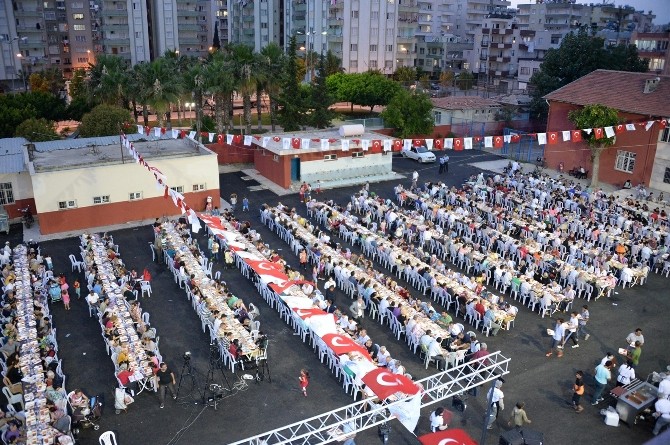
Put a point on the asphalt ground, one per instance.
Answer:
(544, 384)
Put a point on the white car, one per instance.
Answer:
(421, 154)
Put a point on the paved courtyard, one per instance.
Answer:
(544, 384)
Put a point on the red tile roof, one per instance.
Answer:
(621, 90)
(463, 102)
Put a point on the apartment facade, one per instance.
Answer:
(654, 46)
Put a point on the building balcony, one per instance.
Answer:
(336, 22)
(188, 13)
(28, 12)
(31, 44)
(113, 12)
(249, 31)
(408, 8)
(118, 42)
(188, 26)
(406, 39)
(23, 29)
(335, 39)
(499, 59)
(114, 27)
(502, 31)
(501, 45)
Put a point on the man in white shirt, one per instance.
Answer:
(664, 386)
(435, 352)
(497, 399)
(662, 413)
(635, 336)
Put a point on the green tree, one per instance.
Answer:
(410, 113)
(103, 120)
(108, 80)
(78, 84)
(165, 89)
(320, 101)
(220, 82)
(37, 130)
(595, 116)
(343, 87)
(375, 89)
(333, 64)
(216, 42)
(194, 81)
(45, 105)
(244, 66)
(405, 74)
(77, 108)
(579, 54)
(292, 108)
(506, 114)
(271, 65)
(465, 80)
(447, 78)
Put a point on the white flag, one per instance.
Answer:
(191, 135)
(588, 130)
(140, 129)
(408, 411)
(365, 144)
(507, 138)
(247, 140)
(157, 132)
(630, 127)
(345, 144)
(542, 138)
(406, 144)
(488, 141)
(429, 143)
(467, 143)
(325, 145)
(229, 139)
(566, 135)
(211, 136)
(387, 144)
(195, 222)
(175, 134)
(609, 131)
(449, 143)
(286, 143)
(649, 124)
(304, 143)
(266, 139)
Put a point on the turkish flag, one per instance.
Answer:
(219, 138)
(341, 344)
(478, 139)
(295, 142)
(397, 145)
(438, 144)
(276, 139)
(552, 137)
(515, 137)
(458, 144)
(663, 122)
(598, 133)
(619, 128)
(384, 383)
(576, 135)
(376, 144)
(498, 142)
(447, 437)
(183, 134)
(163, 129)
(306, 313)
(147, 130)
(237, 138)
(417, 142)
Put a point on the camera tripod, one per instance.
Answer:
(187, 371)
(215, 362)
(262, 368)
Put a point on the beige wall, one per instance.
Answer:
(119, 180)
(661, 162)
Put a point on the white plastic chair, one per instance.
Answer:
(145, 286)
(76, 264)
(13, 398)
(107, 438)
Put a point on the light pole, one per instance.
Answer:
(190, 116)
(23, 76)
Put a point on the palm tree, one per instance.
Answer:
(141, 84)
(108, 79)
(244, 63)
(271, 62)
(165, 89)
(221, 83)
(194, 81)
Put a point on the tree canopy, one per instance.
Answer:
(103, 120)
(579, 54)
(37, 130)
(595, 116)
(367, 89)
(409, 113)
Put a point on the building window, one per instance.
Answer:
(77, 5)
(373, 48)
(524, 70)
(134, 196)
(357, 154)
(78, 16)
(373, 64)
(389, 48)
(625, 161)
(178, 188)
(6, 193)
(353, 64)
(63, 205)
(104, 199)
(198, 187)
(353, 47)
(332, 157)
(79, 27)
(80, 38)
(437, 117)
(354, 14)
(275, 158)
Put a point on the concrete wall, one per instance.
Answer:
(274, 167)
(574, 154)
(22, 188)
(232, 154)
(661, 162)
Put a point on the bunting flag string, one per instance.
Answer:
(396, 144)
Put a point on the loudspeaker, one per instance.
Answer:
(521, 437)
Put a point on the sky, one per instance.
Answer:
(660, 7)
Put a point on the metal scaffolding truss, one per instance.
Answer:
(363, 414)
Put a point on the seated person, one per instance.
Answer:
(79, 402)
(12, 434)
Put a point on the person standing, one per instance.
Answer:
(583, 319)
(578, 391)
(603, 375)
(438, 421)
(557, 339)
(634, 355)
(573, 325)
(441, 169)
(245, 204)
(626, 374)
(304, 381)
(415, 179)
(357, 309)
(519, 417)
(497, 399)
(166, 381)
(446, 163)
(215, 250)
(233, 201)
(662, 413)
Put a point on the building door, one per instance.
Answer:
(295, 169)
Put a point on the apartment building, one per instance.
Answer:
(654, 46)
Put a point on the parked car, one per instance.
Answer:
(420, 154)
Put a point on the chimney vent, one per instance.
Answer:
(651, 84)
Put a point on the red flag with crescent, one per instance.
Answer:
(619, 128)
(306, 313)
(384, 383)
(276, 139)
(576, 135)
(552, 137)
(598, 133)
(498, 141)
(438, 144)
(376, 144)
(341, 344)
(417, 142)
(219, 138)
(237, 138)
(295, 142)
(515, 137)
(458, 144)
(451, 436)
(397, 145)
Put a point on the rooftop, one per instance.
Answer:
(463, 102)
(89, 152)
(621, 90)
(11, 155)
(315, 136)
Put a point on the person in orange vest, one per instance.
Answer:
(303, 259)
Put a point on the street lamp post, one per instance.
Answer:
(23, 76)
(190, 116)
